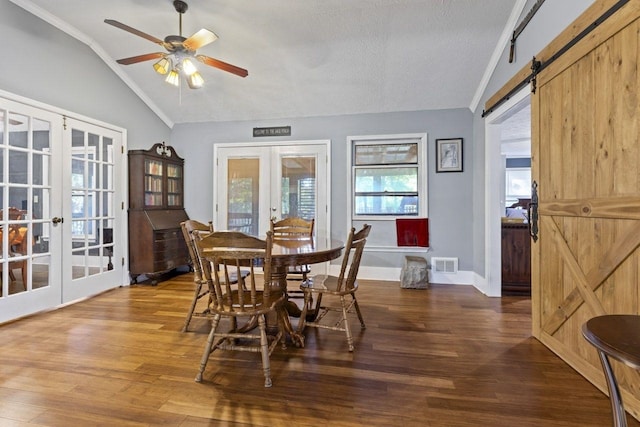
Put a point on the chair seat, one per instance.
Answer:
(327, 284)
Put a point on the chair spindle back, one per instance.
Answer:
(352, 255)
(292, 227)
(230, 251)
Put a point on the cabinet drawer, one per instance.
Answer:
(172, 245)
(169, 264)
(173, 234)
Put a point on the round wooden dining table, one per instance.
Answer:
(291, 252)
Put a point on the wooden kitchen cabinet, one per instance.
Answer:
(516, 259)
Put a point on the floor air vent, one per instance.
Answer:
(444, 265)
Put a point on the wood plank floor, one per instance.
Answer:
(446, 356)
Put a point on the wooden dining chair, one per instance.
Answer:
(200, 290)
(336, 288)
(294, 228)
(190, 227)
(232, 251)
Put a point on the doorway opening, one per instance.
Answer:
(507, 143)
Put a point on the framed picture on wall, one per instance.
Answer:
(449, 155)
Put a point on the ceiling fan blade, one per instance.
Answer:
(134, 31)
(199, 39)
(140, 58)
(223, 65)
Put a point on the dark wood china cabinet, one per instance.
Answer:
(156, 209)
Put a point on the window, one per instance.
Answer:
(518, 184)
(389, 176)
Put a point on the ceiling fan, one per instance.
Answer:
(180, 52)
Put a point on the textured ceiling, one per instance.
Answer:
(304, 57)
(515, 133)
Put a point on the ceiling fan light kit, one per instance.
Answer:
(181, 51)
(188, 67)
(195, 80)
(163, 66)
(173, 78)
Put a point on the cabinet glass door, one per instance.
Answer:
(153, 183)
(174, 185)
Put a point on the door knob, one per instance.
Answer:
(57, 220)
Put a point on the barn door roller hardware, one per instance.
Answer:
(544, 64)
(520, 28)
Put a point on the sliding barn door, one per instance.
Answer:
(586, 164)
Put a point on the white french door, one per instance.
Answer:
(256, 183)
(92, 209)
(59, 209)
(30, 255)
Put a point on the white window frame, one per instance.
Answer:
(423, 196)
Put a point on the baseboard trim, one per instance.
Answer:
(393, 274)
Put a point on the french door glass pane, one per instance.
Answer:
(18, 166)
(77, 142)
(298, 187)
(41, 136)
(243, 195)
(18, 130)
(40, 270)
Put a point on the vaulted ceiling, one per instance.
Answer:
(304, 57)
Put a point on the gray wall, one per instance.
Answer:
(450, 212)
(80, 82)
(45, 64)
(550, 20)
